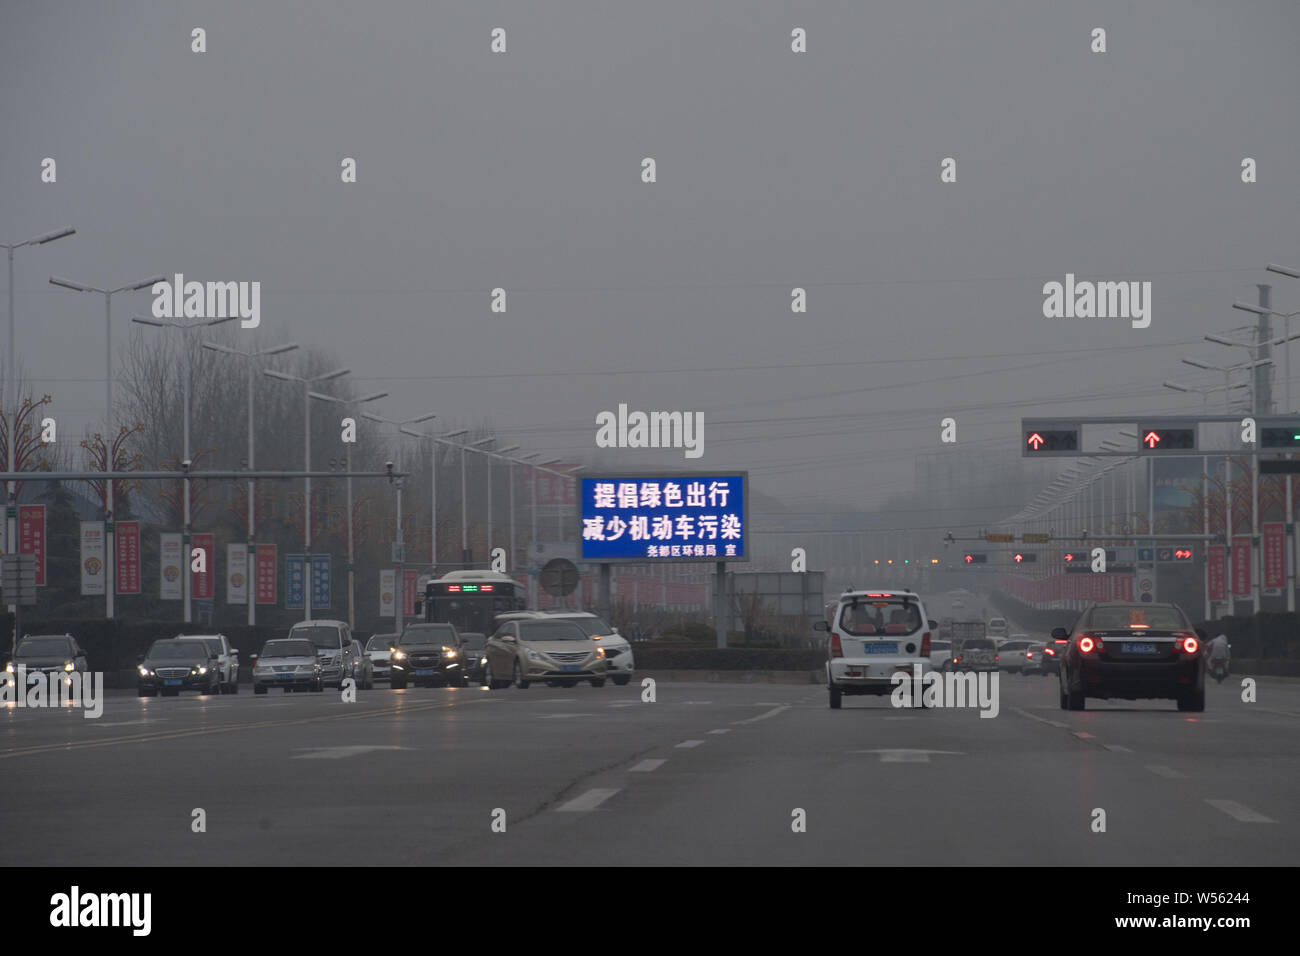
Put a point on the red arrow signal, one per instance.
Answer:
(1069, 558)
(1018, 558)
(1036, 441)
(1150, 439)
(970, 558)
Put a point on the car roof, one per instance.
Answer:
(197, 637)
(880, 592)
(318, 622)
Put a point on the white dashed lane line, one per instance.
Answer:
(763, 716)
(1169, 773)
(587, 801)
(645, 766)
(1238, 811)
(690, 743)
(724, 730)
(1083, 735)
(1117, 748)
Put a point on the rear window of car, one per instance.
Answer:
(1137, 616)
(1015, 645)
(879, 617)
(289, 649)
(940, 645)
(977, 644)
(323, 636)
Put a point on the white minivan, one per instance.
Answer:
(873, 635)
(999, 630)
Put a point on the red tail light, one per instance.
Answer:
(925, 644)
(1088, 644)
(996, 658)
(1048, 650)
(1029, 654)
(837, 649)
(1188, 643)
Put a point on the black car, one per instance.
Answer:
(1131, 652)
(429, 654)
(1053, 648)
(172, 666)
(475, 649)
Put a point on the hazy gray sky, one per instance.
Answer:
(775, 170)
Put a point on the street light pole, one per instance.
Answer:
(250, 565)
(110, 562)
(10, 523)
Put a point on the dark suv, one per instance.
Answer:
(1131, 652)
(430, 654)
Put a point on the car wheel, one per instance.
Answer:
(620, 681)
(1065, 704)
(259, 689)
(836, 696)
(488, 682)
(144, 692)
(234, 685)
(519, 681)
(318, 687)
(596, 682)
(398, 683)
(1074, 700)
(1193, 701)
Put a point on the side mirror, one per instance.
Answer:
(821, 626)
(1059, 633)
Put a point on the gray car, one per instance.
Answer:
(380, 651)
(48, 653)
(291, 663)
(363, 671)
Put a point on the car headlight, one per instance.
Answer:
(600, 653)
(533, 655)
(9, 668)
(399, 655)
(68, 665)
(203, 670)
(448, 651)
(144, 671)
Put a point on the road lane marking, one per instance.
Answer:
(1083, 735)
(690, 743)
(763, 716)
(725, 730)
(1117, 748)
(906, 756)
(1041, 720)
(337, 753)
(561, 716)
(645, 766)
(1169, 773)
(587, 801)
(697, 702)
(1238, 811)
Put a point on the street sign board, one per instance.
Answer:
(1044, 438)
(1165, 437)
(1035, 537)
(998, 538)
(664, 517)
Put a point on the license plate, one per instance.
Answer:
(891, 648)
(1131, 647)
(285, 676)
(424, 673)
(172, 682)
(570, 667)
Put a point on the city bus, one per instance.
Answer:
(470, 600)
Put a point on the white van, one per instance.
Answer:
(873, 635)
(999, 630)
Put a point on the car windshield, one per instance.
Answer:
(380, 642)
(1015, 645)
(178, 651)
(213, 644)
(977, 644)
(289, 649)
(551, 631)
(877, 618)
(1135, 616)
(941, 646)
(428, 634)
(43, 646)
(322, 637)
(591, 625)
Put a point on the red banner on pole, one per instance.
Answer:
(409, 580)
(1241, 566)
(31, 537)
(127, 546)
(265, 574)
(1216, 561)
(202, 584)
(1274, 554)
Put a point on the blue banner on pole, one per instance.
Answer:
(673, 517)
(295, 574)
(320, 582)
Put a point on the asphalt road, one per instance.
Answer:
(707, 774)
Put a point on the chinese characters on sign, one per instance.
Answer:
(1216, 563)
(320, 582)
(203, 583)
(683, 517)
(295, 581)
(31, 537)
(1274, 554)
(127, 544)
(266, 574)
